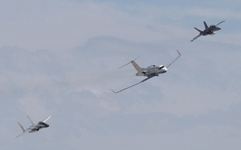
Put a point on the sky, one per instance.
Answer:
(59, 58)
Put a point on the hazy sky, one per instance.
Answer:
(60, 58)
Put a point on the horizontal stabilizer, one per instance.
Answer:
(129, 62)
(198, 29)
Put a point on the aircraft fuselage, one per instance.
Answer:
(36, 128)
(152, 71)
(210, 30)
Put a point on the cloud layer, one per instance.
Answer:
(60, 58)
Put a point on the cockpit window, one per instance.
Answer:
(151, 66)
(161, 67)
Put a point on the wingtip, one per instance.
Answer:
(179, 53)
(137, 58)
(113, 91)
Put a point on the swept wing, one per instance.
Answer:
(133, 85)
(21, 134)
(220, 23)
(195, 37)
(46, 119)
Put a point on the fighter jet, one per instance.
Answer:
(149, 72)
(208, 30)
(34, 127)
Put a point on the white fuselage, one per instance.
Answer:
(152, 71)
(36, 128)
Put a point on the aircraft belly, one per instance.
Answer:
(139, 74)
(33, 130)
(149, 73)
(42, 127)
(161, 71)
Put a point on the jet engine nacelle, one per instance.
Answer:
(43, 124)
(160, 67)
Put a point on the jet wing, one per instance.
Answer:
(220, 23)
(133, 85)
(46, 119)
(22, 134)
(195, 37)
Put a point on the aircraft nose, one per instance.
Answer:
(218, 28)
(165, 68)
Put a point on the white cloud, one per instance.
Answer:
(214, 13)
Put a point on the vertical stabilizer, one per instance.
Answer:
(21, 127)
(206, 26)
(137, 67)
(30, 120)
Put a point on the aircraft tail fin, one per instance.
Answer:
(137, 67)
(198, 29)
(30, 120)
(21, 127)
(206, 26)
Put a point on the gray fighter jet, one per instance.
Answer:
(149, 72)
(208, 30)
(34, 127)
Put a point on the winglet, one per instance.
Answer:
(179, 53)
(198, 30)
(113, 91)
